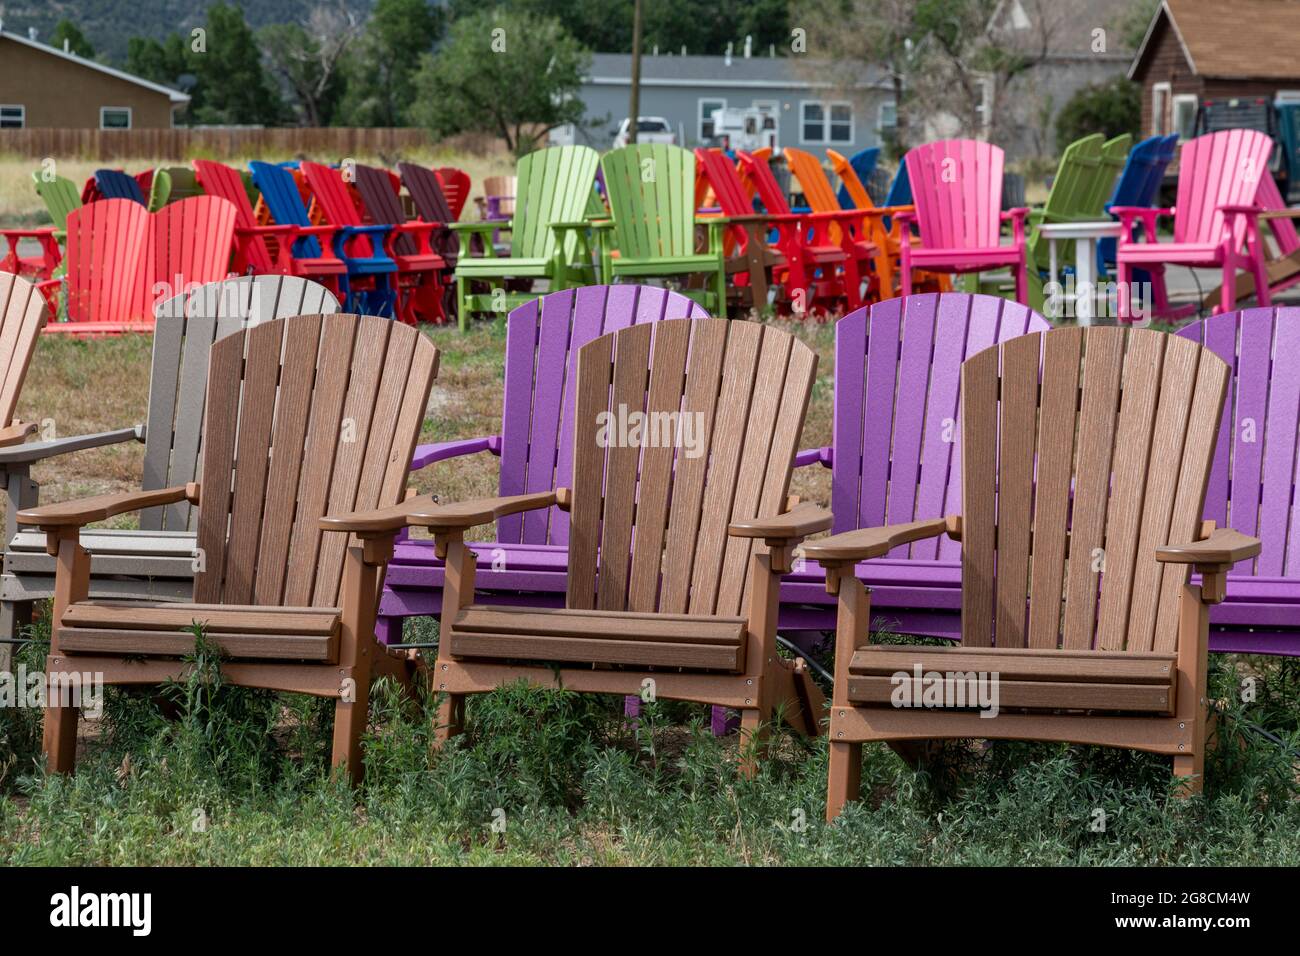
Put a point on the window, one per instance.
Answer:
(814, 123)
(826, 122)
(887, 116)
(115, 117)
(706, 130)
(13, 117)
(1160, 109)
(1184, 124)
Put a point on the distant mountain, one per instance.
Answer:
(109, 24)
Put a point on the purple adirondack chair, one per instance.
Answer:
(895, 456)
(957, 190)
(1215, 215)
(528, 562)
(1254, 476)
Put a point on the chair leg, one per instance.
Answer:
(845, 777)
(450, 720)
(463, 303)
(1022, 284)
(349, 723)
(14, 616)
(60, 738)
(1228, 291)
(752, 733)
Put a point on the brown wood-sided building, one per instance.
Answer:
(1198, 50)
(42, 87)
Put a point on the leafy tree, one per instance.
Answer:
(309, 60)
(381, 71)
(65, 29)
(1112, 108)
(1131, 23)
(702, 26)
(164, 62)
(515, 75)
(232, 85)
(220, 65)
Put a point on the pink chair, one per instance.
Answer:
(957, 189)
(1216, 213)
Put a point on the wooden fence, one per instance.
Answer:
(216, 143)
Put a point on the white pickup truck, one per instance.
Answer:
(649, 129)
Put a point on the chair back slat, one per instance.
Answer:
(306, 416)
(898, 364)
(1218, 169)
(957, 188)
(1255, 472)
(1085, 451)
(22, 316)
(543, 338)
(728, 402)
(185, 327)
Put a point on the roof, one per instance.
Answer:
(756, 72)
(1248, 39)
(174, 95)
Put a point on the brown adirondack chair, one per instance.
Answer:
(668, 589)
(1090, 484)
(306, 417)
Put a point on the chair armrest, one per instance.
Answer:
(462, 515)
(1245, 209)
(866, 543)
(797, 523)
(442, 451)
(74, 514)
(480, 227)
(1223, 547)
(815, 456)
(377, 521)
(16, 432)
(1133, 211)
(355, 230)
(576, 224)
(268, 230)
(41, 450)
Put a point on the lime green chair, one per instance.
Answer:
(60, 196)
(651, 190)
(548, 235)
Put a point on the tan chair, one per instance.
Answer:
(669, 592)
(1081, 517)
(306, 417)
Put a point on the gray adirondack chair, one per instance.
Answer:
(156, 562)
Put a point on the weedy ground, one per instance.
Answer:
(203, 773)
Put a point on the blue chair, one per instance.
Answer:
(900, 191)
(115, 184)
(1138, 185)
(864, 164)
(280, 193)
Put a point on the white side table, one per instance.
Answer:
(1085, 236)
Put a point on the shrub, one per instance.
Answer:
(1111, 108)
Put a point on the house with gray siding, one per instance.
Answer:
(685, 90)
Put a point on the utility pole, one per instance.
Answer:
(634, 108)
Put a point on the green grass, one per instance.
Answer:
(207, 774)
